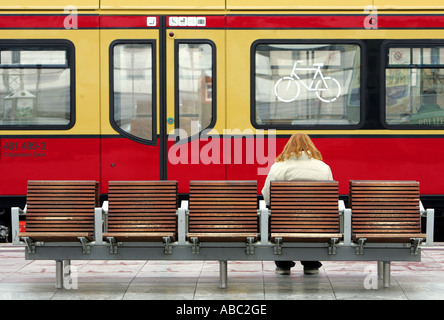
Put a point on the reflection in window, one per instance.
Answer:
(35, 86)
(307, 84)
(415, 86)
(133, 89)
(195, 91)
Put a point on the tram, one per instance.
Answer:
(212, 89)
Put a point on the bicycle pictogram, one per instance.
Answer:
(327, 89)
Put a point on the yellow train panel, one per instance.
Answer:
(86, 45)
(48, 4)
(295, 5)
(408, 4)
(164, 4)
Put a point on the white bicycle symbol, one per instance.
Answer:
(327, 89)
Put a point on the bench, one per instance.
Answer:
(222, 214)
(141, 211)
(385, 211)
(223, 211)
(60, 211)
(304, 211)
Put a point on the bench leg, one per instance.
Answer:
(380, 270)
(223, 272)
(59, 274)
(386, 272)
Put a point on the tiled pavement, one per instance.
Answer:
(199, 280)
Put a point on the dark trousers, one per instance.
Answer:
(291, 264)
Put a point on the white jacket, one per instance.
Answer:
(302, 168)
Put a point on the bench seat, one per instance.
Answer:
(140, 211)
(306, 237)
(223, 211)
(56, 236)
(223, 236)
(391, 237)
(139, 236)
(385, 211)
(304, 211)
(60, 210)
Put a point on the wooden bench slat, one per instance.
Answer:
(237, 222)
(301, 229)
(389, 201)
(202, 199)
(143, 228)
(225, 212)
(400, 213)
(306, 192)
(152, 212)
(48, 236)
(223, 206)
(304, 210)
(139, 236)
(392, 237)
(61, 222)
(122, 188)
(208, 186)
(147, 222)
(236, 192)
(385, 211)
(60, 210)
(219, 218)
(212, 235)
(146, 206)
(386, 217)
(305, 237)
(313, 223)
(142, 210)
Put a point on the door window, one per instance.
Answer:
(195, 86)
(133, 90)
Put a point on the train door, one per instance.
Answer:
(195, 98)
(130, 145)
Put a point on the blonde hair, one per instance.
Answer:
(298, 143)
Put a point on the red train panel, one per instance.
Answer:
(350, 158)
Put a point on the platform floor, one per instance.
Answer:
(199, 280)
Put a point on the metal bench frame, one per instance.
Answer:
(261, 250)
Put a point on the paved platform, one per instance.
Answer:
(199, 280)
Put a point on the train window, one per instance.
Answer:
(195, 85)
(133, 90)
(414, 85)
(37, 87)
(306, 84)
